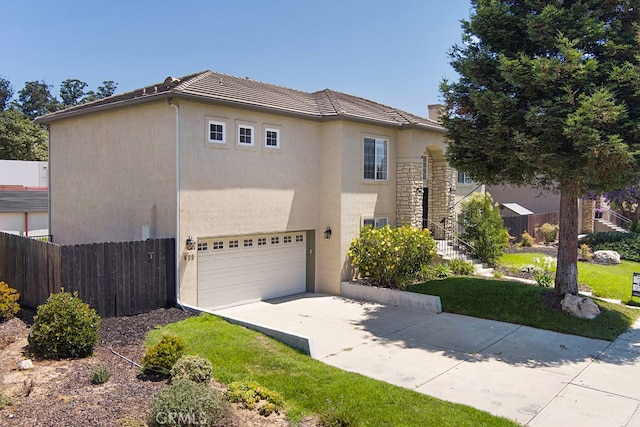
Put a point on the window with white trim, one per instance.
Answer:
(245, 135)
(272, 138)
(218, 245)
(203, 246)
(275, 240)
(248, 243)
(233, 243)
(375, 159)
(262, 241)
(216, 132)
(375, 222)
(464, 178)
(286, 239)
(299, 238)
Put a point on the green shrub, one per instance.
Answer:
(441, 271)
(8, 301)
(161, 356)
(526, 240)
(100, 373)
(194, 368)
(4, 400)
(251, 393)
(584, 252)
(64, 327)
(549, 232)
(185, 403)
(391, 257)
(461, 267)
(626, 244)
(483, 228)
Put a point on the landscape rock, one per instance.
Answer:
(606, 257)
(24, 364)
(580, 306)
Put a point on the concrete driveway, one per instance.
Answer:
(535, 377)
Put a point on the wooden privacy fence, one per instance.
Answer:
(516, 225)
(117, 279)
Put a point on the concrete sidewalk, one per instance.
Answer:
(535, 377)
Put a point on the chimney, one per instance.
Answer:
(435, 111)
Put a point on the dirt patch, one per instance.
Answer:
(56, 393)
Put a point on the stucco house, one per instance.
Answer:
(263, 186)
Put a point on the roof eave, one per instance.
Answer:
(60, 115)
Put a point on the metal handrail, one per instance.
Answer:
(455, 247)
(621, 220)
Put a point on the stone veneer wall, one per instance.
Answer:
(409, 193)
(588, 207)
(441, 196)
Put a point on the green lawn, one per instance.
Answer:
(607, 281)
(311, 387)
(524, 304)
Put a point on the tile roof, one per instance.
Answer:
(24, 200)
(222, 88)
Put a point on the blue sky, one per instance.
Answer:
(392, 52)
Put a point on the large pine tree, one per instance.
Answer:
(549, 96)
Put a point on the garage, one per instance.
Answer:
(242, 269)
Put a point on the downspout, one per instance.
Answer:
(177, 249)
(49, 182)
(26, 224)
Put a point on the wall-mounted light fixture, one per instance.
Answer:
(191, 244)
(327, 233)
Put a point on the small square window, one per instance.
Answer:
(272, 138)
(299, 238)
(218, 245)
(248, 243)
(245, 135)
(275, 240)
(262, 241)
(203, 246)
(233, 243)
(286, 239)
(464, 178)
(217, 134)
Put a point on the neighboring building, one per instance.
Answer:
(24, 198)
(264, 187)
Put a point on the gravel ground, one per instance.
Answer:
(60, 393)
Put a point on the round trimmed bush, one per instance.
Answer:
(186, 403)
(194, 368)
(64, 327)
(8, 301)
(160, 357)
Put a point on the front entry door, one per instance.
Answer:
(425, 207)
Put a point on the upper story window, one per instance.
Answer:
(272, 138)
(464, 178)
(375, 222)
(217, 132)
(245, 135)
(375, 159)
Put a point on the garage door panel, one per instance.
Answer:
(250, 269)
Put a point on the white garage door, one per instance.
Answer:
(237, 270)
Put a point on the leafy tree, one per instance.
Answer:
(483, 228)
(20, 138)
(627, 200)
(108, 88)
(548, 95)
(35, 99)
(6, 92)
(71, 92)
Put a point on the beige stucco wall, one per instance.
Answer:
(107, 169)
(534, 199)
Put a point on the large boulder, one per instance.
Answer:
(606, 257)
(579, 306)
